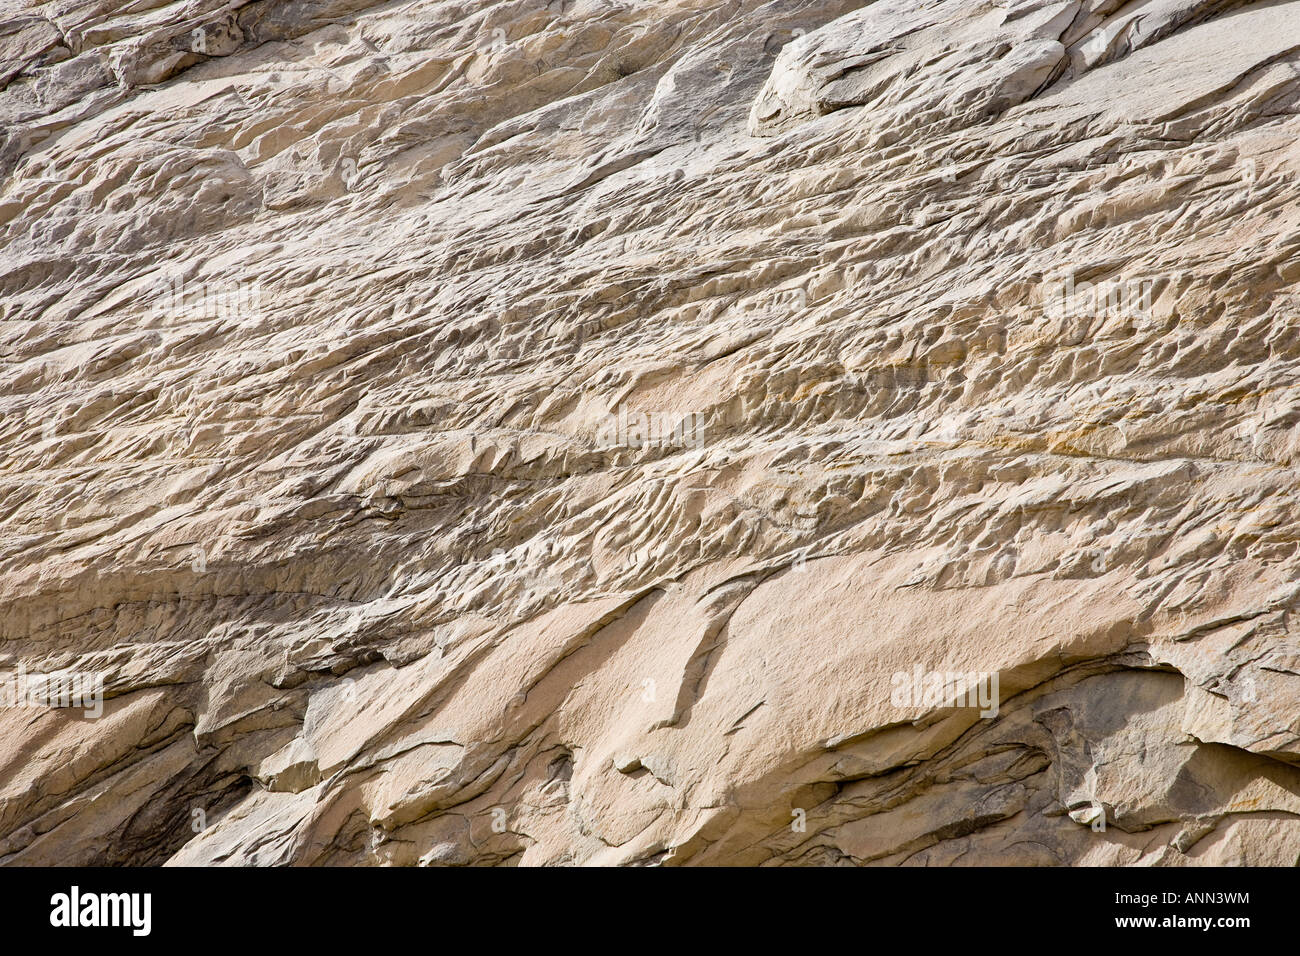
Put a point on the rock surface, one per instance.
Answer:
(542, 433)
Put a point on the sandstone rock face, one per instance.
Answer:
(610, 431)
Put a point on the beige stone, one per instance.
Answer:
(611, 433)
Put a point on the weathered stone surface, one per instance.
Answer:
(571, 433)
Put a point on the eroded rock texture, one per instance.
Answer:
(537, 433)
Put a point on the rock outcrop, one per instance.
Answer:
(625, 432)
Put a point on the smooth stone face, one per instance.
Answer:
(678, 433)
